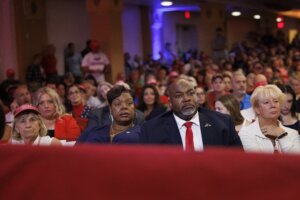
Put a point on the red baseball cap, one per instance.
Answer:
(94, 45)
(83, 86)
(25, 107)
(260, 83)
(173, 74)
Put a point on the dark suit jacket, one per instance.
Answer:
(217, 130)
(155, 112)
(101, 135)
(101, 117)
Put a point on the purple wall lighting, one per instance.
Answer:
(157, 25)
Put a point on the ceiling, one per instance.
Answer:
(285, 7)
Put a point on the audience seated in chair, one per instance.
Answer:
(266, 133)
(122, 129)
(29, 128)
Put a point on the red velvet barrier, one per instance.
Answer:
(136, 172)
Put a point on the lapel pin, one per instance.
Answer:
(207, 125)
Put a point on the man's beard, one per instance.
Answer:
(189, 111)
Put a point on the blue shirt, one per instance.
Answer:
(245, 103)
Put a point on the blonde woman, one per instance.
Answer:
(28, 127)
(59, 124)
(266, 133)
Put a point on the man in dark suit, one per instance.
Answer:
(209, 128)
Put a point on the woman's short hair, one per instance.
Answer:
(43, 130)
(59, 107)
(266, 91)
(117, 91)
(217, 76)
(231, 104)
(226, 75)
(142, 105)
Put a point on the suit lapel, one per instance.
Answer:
(172, 130)
(106, 118)
(207, 131)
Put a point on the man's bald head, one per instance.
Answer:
(183, 99)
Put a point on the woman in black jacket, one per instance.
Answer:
(149, 102)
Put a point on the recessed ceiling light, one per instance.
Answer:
(279, 19)
(256, 17)
(236, 13)
(166, 3)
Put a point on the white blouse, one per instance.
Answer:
(254, 140)
(44, 140)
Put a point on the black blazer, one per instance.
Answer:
(155, 112)
(217, 130)
(100, 117)
(100, 134)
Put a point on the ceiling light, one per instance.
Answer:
(279, 19)
(256, 16)
(236, 13)
(166, 3)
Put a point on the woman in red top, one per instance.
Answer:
(59, 124)
(79, 108)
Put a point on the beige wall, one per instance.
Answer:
(23, 34)
(67, 21)
(106, 27)
(244, 25)
(8, 58)
(31, 34)
(132, 30)
(206, 21)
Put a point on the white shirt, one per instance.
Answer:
(93, 102)
(197, 137)
(95, 61)
(40, 140)
(9, 118)
(254, 140)
(248, 115)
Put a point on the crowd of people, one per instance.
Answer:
(247, 98)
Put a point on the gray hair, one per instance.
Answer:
(17, 136)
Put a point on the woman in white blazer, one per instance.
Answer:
(266, 134)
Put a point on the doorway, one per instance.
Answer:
(186, 37)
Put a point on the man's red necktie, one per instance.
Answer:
(189, 141)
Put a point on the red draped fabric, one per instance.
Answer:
(136, 172)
